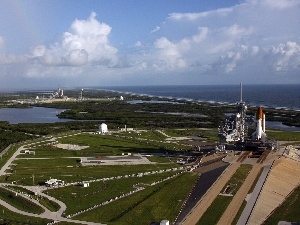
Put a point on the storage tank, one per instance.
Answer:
(165, 222)
(103, 128)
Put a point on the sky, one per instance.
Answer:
(81, 43)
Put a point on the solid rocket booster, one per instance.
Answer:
(259, 133)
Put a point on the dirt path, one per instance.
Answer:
(235, 204)
(210, 196)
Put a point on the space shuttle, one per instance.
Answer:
(259, 134)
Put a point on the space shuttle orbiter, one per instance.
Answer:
(259, 134)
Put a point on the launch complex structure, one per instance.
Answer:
(235, 130)
(233, 127)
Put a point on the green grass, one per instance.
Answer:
(151, 135)
(11, 218)
(219, 205)
(239, 177)
(152, 204)
(283, 135)
(288, 211)
(209, 134)
(30, 170)
(109, 144)
(239, 213)
(19, 202)
(52, 206)
(68, 169)
(215, 211)
(8, 155)
(77, 198)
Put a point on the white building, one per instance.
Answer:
(103, 128)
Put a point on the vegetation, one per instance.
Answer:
(52, 206)
(288, 211)
(215, 211)
(219, 205)
(8, 217)
(19, 201)
(239, 213)
(283, 135)
(77, 198)
(152, 204)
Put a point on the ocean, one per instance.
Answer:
(267, 96)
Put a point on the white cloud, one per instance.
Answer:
(1, 42)
(201, 35)
(155, 29)
(77, 57)
(195, 16)
(281, 4)
(282, 58)
(168, 55)
(86, 42)
(138, 44)
(255, 37)
(38, 51)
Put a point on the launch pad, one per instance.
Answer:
(233, 132)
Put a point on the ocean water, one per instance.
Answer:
(271, 96)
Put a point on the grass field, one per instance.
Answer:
(52, 162)
(283, 135)
(77, 198)
(152, 204)
(219, 205)
(9, 217)
(19, 202)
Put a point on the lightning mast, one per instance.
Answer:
(233, 128)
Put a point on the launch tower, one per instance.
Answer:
(233, 127)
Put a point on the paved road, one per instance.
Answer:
(7, 164)
(235, 204)
(210, 196)
(204, 182)
(47, 214)
(254, 195)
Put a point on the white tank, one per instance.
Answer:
(164, 222)
(103, 128)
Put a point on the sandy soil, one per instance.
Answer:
(71, 147)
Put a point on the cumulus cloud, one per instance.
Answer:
(257, 36)
(169, 55)
(281, 58)
(86, 42)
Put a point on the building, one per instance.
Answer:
(103, 128)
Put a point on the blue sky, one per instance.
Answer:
(75, 43)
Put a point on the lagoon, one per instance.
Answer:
(49, 115)
(31, 115)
